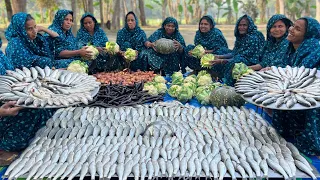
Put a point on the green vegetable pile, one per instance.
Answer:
(240, 69)
(199, 86)
(205, 60)
(156, 86)
(198, 52)
(78, 66)
(112, 48)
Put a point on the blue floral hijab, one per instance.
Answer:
(273, 51)
(71, 42)
(212, 40)
(25, 52)
(161, 32)
(246, 46)
(134, 39)
(99, 38)
(308, 53)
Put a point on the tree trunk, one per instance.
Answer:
(115, 24)
(74, 10)
(277, 6)
(164, 8)
(85, 6)
(218, 15)
(125, 8)
(170, 5)
(176, 10)
(108, 10)
(101, 13)
(90, 6)
(142, 13)
(186, 15)
(318, 10)
(281, 6)
(307, 9)
(263, 6)
(19, 6)
(198, 10)
(9, 9)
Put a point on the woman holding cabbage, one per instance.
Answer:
(132, 38)
(208, 39)
(161, 62)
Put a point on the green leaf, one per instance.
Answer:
(235, 6)
(190, 9)
(314, 7)
(225, 14)
(96, 3)
(149, 6)
(157, 2)
(180, 8)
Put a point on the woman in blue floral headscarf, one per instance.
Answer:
(5, 63)
(303, 50)
(26, 46)
(276, 44)
(248, 43)
(169, 63)
(209, 37)
(70, 49)
(132, 36)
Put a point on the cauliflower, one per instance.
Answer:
(161, 88)
(240, 69)
(192, 79)
(205, 60)
(198, 51)
(203, 95)
(78, 66)
(190, 85)
(112, 48)
(204, 80)
(159, 79)
(130, 54)
(174, 90)
(185, 94)
(177, 78)
(94, 52)
(152, 90)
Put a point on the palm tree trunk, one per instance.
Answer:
(186, 15)
(307, 8)
(218, 15)
(170, 5)
(115, 24)
(19, 6)
(90, 6)
(142, 13)
(277, 6)
(281, 6)
(101, 13)
(125, 8)
(318, 10)
(164, 8)
(9, 9)
(74, 10)
(263, 6)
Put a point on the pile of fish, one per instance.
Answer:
(157, 141)
(36, 87)
(282, 87)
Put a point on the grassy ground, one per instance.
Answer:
(187, 31)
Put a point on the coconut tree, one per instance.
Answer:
(219, 4)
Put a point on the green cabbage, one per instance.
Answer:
(152, 90)
(240, 69)
(185, 94)
(174, 90)
(112, 48)
(78, 66)
(190, 85)
(203, 95)
(94, 52)
(177, 78)
(130, 54)
(192, 78)
(205, 60)
(159, 79)
(198, 51)
(204, 80)
(161, 88)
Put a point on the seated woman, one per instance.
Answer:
(209, 37)
(303, 50)
(249, 41)
(132, 36)
(91, 34)
(276, 44)
(69, 49)
(26, 47)
(168, 63)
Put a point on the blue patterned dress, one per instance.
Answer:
(170, 63)
(304, 126)
(212, 40)
(134, 39)
(273, 51)
(5, 63)
(246, 48)
(24, 52)
(98, 39)
(69, 41)
(16, 132)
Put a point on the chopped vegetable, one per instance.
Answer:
(198, 51)
(112, 48)
(130, 54)
(205, 60)
(78, 66)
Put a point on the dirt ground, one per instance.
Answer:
(187, 31)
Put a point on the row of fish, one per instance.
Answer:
(216, 143)
(283, 87)
(46, 87)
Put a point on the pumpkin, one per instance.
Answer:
(226, 96)
(164, 46)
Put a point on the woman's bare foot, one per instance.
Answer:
(7, 158)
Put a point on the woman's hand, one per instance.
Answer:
(190, 53)
(208, 51)
(218, 61)
(84, 52)
(9, 109)
(177, 45)
(266, 69)
(149, 44)
(46, 30)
